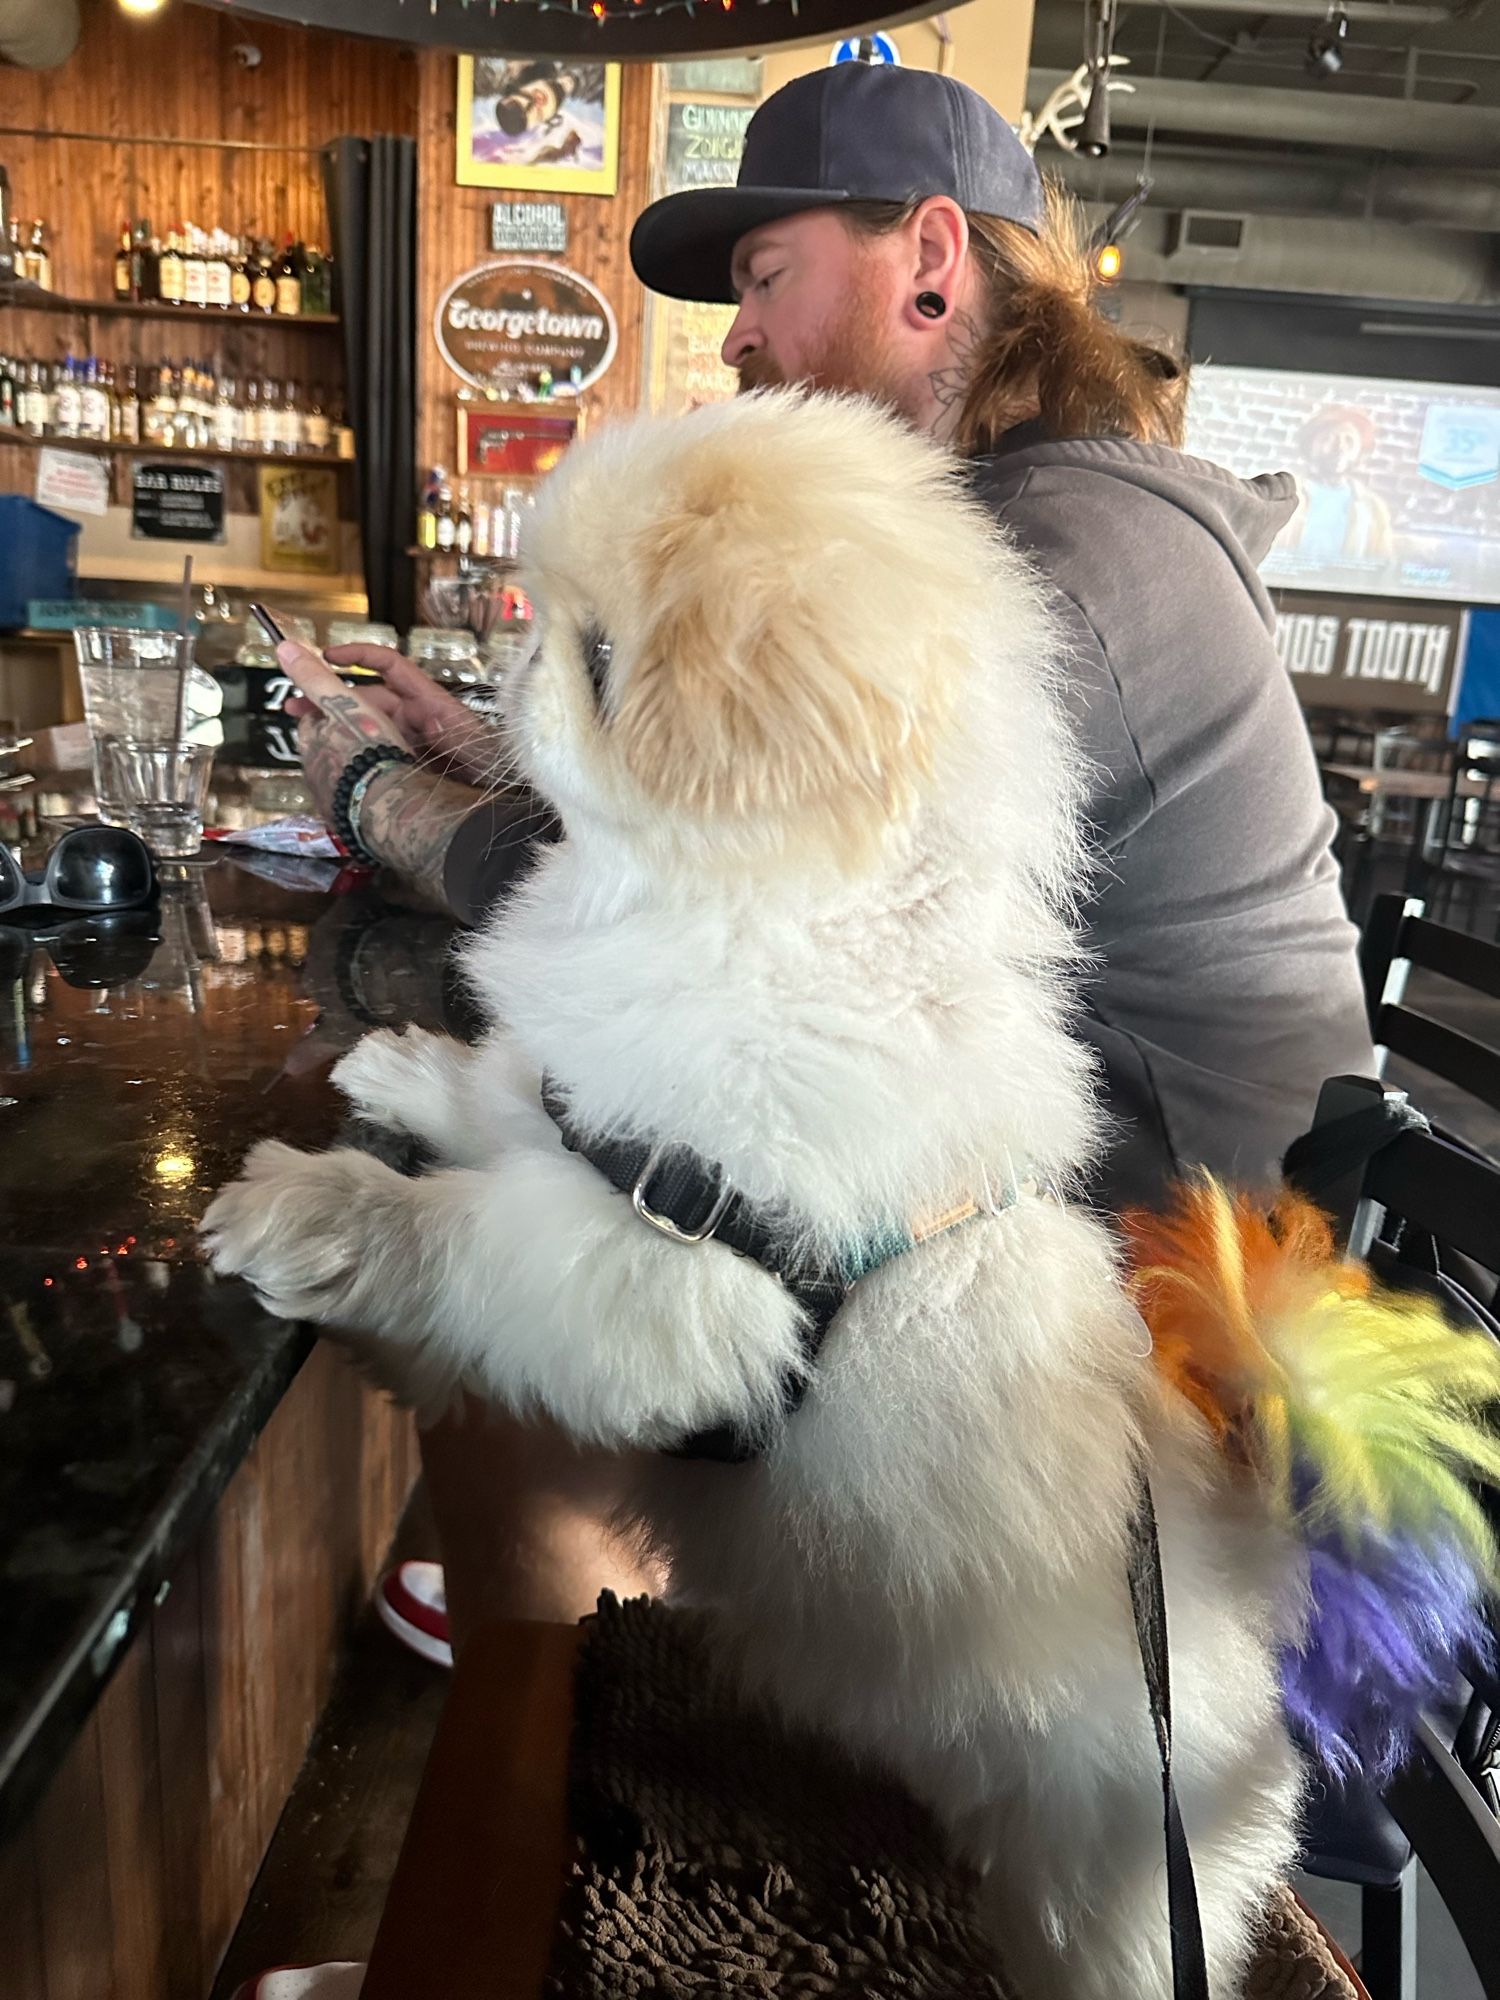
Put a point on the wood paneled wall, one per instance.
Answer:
(131, 1875)
(453, 235)
(145, 119)
(132, 84)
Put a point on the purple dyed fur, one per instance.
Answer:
(1391, 1630)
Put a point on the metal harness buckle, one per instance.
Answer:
(664, 1223)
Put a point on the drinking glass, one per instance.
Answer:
(160, 789)
(135, 689)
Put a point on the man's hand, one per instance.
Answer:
(408, 817)
(335, 722)
(435, 723)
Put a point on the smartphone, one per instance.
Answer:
(268, 624)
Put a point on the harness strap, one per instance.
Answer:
(684, 1197)
(1148, 1601)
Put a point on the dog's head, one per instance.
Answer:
(753, 623)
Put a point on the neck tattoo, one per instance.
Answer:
(950, 385)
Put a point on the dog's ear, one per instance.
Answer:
(768, 678)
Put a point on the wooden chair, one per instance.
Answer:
(1441, 1809)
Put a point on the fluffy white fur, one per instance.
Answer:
(812, 919)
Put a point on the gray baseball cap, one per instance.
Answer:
(853, 132)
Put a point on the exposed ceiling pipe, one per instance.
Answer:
(38, 34)
(1256, 184)
(1312, 117)
(1399, 14)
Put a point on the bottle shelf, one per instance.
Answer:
(31, 298)
(113, 448)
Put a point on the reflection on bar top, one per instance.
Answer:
(140, 1056)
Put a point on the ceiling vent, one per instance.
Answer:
(1203, 232)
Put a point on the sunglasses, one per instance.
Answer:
(93, 868)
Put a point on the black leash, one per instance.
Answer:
(1148, 1601)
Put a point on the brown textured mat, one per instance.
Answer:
(722, 1854)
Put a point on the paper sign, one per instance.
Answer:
(72, 481)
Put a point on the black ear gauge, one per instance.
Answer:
(931, 305)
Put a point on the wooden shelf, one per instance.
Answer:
(112, 449)
(31, 298)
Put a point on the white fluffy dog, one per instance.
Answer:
(811, 920)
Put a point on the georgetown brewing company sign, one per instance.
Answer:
(500, 325)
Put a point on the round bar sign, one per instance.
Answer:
(501, 324)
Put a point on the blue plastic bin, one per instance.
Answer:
(38, 556)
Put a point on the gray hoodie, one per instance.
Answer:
(1227, 986)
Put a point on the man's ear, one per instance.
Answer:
(940, 246)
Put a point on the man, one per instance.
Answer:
(890, 235)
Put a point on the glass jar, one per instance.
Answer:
(450, 657)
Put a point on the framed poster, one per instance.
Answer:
(541, 125)
(299, 519)
(510, 441)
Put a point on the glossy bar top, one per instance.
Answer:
(139, 1057)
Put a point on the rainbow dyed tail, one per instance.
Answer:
(1369, 1421)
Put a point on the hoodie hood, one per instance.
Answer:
(1243, 515)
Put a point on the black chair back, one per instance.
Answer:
(1410, 1198)
(1396, 933)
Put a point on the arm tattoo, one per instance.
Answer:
(950, 385)
(408, 818)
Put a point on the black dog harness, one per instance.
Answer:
(684, 1198)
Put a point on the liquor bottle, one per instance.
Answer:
(239, 276)
(342, 432)
(35, 409)
(316, 430)
(293, 423)
(447, 518)
(145, 262)
(67, 414)
(8, 397)
(427, 511)
(463, 526)
(194, 267)
(250, 429)
(8, 267)
(172, 275)
(317, 296)
(216, 271)
(39, 257)
(128, 408)
(289, 282)
(93, 404)
(262, 280)
(481, 527)
(160, 413)
(226, 417)
(124, 289)
(270, 418)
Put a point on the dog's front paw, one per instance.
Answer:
(297, 1227)
(390, 1078)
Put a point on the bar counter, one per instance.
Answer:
(139, 1057)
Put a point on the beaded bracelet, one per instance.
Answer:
(356, 775)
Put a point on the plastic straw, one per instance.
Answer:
(182, 663)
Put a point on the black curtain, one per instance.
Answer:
(371, 186)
